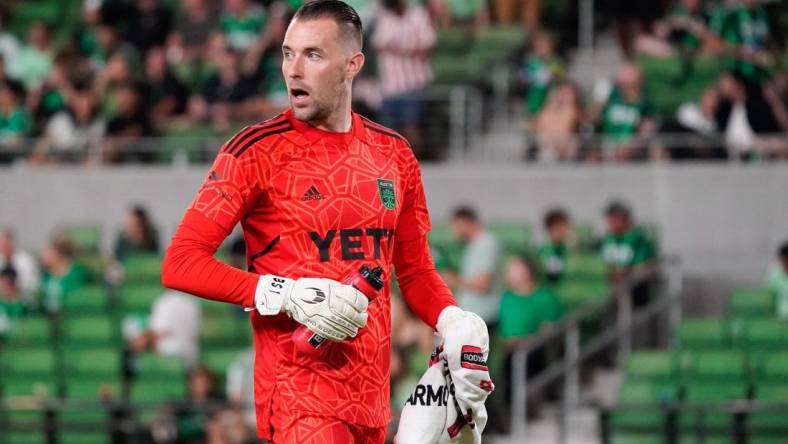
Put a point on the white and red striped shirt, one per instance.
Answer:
(403, 43)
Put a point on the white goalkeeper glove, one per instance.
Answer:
(466, 346)
(331, 309)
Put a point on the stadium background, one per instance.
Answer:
(513, 122)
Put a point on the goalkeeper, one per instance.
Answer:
(319, 192)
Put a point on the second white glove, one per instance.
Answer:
(329, 308)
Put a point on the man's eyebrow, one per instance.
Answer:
(308, 49)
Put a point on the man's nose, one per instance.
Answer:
(295, 68)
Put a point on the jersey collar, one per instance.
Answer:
(313, 134)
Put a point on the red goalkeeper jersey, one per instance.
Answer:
(313, 203)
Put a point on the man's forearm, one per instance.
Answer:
(422, 287)
(189, 265)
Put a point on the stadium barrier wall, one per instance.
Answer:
(723, 221)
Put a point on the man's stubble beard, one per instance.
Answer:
(322, 110)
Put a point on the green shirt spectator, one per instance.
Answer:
(13, 124)
(11, 307)
(553, 258)
(748, 28)
(242, 24)
(621, 117)
(57, 288)
(523, 314)
(465, 10)
(627, 249)
(540, 69)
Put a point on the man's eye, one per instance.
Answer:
(314, 56)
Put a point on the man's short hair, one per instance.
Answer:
(783, 250)
(555, 216)
(343, 14)
(465, 212)
(617, 208)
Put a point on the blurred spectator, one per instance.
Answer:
(73, 134)
(86, 34)
(747, 119)
(553, 252)
(124, 129)
(227, 95)
(745, 32)
(629, 252)
(682, 32)
(28, 276)
(472, 15)
(34, 60)
(166, 95)
(525, 305)
(193, 414)
(111, 44)
(540, 70)
(403, 38)
(626, 115)
(149, 24)
(195, 22)
(11, 305)
(526, 308)
(237, 252)
(631, 17)
(15, 123)
(240, 385)
(777, 280)
(9, 45)
(138, 236)
(226, 426)
(557, 123)
(506, 12)
(242, 21)
(62, 275)
(693, 132)
(476, 285)
(173, 328)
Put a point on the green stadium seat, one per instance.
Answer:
(761, 422)
(585, 237)
(710, 393)
(773, 369)
(30, 331)
(703, 333)
(641, 393)
(25, 437)
(770, 334)
(228, 330)
(139, 298)
(28, 361)
(586, 266)
(515, 237)
(154, 366)
(93, 361)
(85, 238)
(84, 424)
(720, 366)
(575, 293)
(92, 387)
(87, 300)
(94, 265)
(21, 385)
(453, 41)
(219, 359)
(25, 428)
(652, 365)
(751, 302)
(90, 331)
(142, 269)
(508, 37)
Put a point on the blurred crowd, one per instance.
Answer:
(128, 70)
(739, 113)
(515, 287)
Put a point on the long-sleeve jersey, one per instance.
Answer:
(313, 203)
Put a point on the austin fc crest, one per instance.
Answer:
(386, 193)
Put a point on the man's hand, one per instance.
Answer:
(466, 346)
(327, 307)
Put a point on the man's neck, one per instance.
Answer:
(340, 120)
(524, 289)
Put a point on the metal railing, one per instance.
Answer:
(567, 368)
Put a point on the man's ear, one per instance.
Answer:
(355, 64)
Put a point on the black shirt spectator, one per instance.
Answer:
(149, 24)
